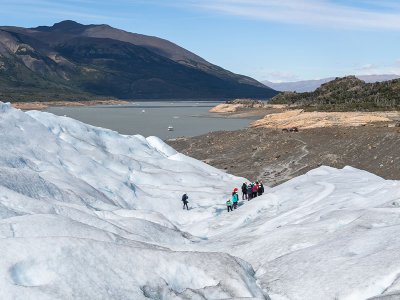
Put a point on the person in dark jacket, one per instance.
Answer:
(185, 201)
(244, 191)
(262, 188)
(235, 198)
(259, 190)
(249, 192)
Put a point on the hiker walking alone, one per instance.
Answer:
(229, 205)
(185, 201)
(235, 198)
(244, 191)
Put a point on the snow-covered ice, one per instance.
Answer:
(329, 234)
(87, 213)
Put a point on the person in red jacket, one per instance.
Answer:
(255, 189)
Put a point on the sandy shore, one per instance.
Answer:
(306, 120)
(281, 116)
(241, 111)
(44, 105)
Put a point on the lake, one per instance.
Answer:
(153, 118)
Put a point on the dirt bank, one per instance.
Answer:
(275, 156)
(305, 120)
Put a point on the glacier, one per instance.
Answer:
(87, 213)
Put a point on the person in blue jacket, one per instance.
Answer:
(229, 205)
(235, 198)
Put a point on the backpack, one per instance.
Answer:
(184, 198)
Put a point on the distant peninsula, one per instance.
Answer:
(346, 94)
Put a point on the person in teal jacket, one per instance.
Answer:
(229, 205)
(235, 198)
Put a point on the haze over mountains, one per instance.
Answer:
(311, 85)
(69, 61)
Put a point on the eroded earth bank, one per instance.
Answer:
(276, 156)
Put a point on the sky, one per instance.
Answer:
(276, 40)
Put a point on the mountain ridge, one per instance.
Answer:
(72, 61)
(311, 85)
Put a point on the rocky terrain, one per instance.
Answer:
(275, 156)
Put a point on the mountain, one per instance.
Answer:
(347, 93)
(297, 86)
(312, 85)
(69, 61)
(87, 213)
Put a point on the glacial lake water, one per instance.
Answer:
(153, 118)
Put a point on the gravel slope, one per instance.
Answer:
(275, 156)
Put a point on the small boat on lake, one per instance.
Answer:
(170, 128)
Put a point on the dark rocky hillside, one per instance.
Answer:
(347, 93)
(71, 61)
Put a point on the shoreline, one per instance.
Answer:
(40, 105)
(36, 105)
(284, 117)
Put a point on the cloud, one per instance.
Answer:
(374, 69)
(356, 14)
(367, 67)
(276, 76)
(351, 14)
(79, 10)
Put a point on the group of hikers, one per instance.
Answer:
(249, 191)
